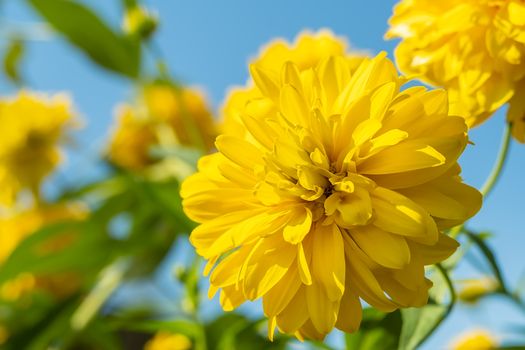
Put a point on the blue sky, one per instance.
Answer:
(208, 44)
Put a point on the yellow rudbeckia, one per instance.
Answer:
(471, 291)
(131, 140)
(32, 128)
(306, 52)
(164, 115)
(337, 191)
(475, 340)
(473, 48)
(168, 341)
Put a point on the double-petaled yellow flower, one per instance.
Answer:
(165, 115)
(306, 52)
(475, 340)
(168, 341)
(131, 140)
(336, 190)
(473, 48)
(32, 128)
(471, 291)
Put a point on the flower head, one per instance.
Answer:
(475, 340)
(131, 140)
(164, 115)
(473, 290)
(474, 48)
(306, 52)
(168, 341)
(32, 128)
(337, 191)
(139, 21)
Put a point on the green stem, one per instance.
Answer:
(451, 289)
(499, 163)
(110, 278)
(451, 304)
(517, 300)
(495, 173)
(491, 259)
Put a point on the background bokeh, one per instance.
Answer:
(208, 44)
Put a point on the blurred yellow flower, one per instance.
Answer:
(338, 191)
(168, 341)
(166, 116)
(33, 126)
(473, 48)
(131, 140)
(15, 227)
(185, 110)
(139, 21)
(306, 52)
(472, 290)
(475, 340)
(15, 288)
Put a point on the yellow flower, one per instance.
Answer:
(473, 48)
(15, 288)
(306, 52)
(475, 340)
(32, 128)
(337, 192)
(168, 341)
(185, 110)
(472, 290)
(132, 139)
(140, 22)
(15, 227)
(165, 115)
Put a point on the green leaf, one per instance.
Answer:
(418, 323)
(13, 56)
(378, 330)
(182, 326)
(478, 240)
(88, 251)
(236, 332)
(85, 30)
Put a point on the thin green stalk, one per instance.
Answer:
(110, 278)
(451, 289)
(451, 304)
(495, 173)
(499, 163)
(491, 259)
(503, 289)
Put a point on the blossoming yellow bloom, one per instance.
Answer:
(132, 138)
(15, 288)
(166, 115)
(338, 191)
(32, 128)
(475, 340)
(306, 52)
(139, 21)
(474, 48)
(168, 341)
(185, 110)
(472, 290)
